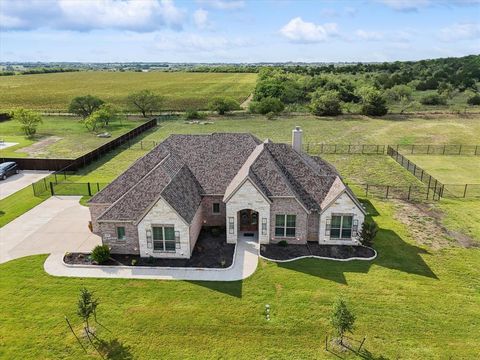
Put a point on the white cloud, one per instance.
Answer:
(200, 18)
(461, 31)
(406, 5)
(223, 4)
(369, 35)
(298, 30)
(82, 15)
(189, 42)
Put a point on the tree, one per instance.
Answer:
(100, 117)
(326, 103)
(373, 102)
(401, 94)
(86, 307)
(145, 101)
(474, 99)
(223, 105)
(84, 106)
(433, 99)
(29, 120)
(368, 232)
(267, 105)
(342, 319)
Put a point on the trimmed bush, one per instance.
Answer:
(101, 254)
(283, 243)
(433, 99)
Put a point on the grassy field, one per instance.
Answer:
(181, 90)
(59, 137)
(450, 169)
(411, 303)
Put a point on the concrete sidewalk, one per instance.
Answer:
(244, 264)
(57, 225)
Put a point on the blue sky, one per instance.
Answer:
(237, 30)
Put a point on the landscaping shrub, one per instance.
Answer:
(222, 105)
(368, 232)
(283, 243)
(474, 99)
(134, 262)
(215, 231)
(267, 105)
(433, 99)
(326, 103)
(101, 253)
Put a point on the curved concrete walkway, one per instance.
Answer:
(244, 264)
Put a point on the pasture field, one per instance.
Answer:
(59, 137)
(406, 301)
(450, 169)
(53, 92)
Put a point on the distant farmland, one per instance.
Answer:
(53, 92)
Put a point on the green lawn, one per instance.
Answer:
(181, 90)
(72, 137)
(462, 215)
(411, 303)
(450, 169)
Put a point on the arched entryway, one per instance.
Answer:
(247, 220)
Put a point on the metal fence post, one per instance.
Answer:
(388, 189)
(51, 189)
(89, 189)
(409, 191)
(465, 191)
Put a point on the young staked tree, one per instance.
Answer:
(29, 120)
(87, 307)
(145, 101)
(84, 106)
(342, 319)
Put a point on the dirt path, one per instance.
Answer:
(40, 146)
(247, 102)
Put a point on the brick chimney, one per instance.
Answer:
(297, 134)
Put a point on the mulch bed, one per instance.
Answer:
(210, 252)
(289, 252)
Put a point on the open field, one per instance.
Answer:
(412, 302)
(53, 92)
(59, 137)
(450, 169)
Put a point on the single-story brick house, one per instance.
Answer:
(267, 191)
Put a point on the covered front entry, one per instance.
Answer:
(247, 220)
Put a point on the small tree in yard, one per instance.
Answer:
(368, 232)
(342, 319)
(145, 101)
(84, 106)
(87, 307)
(222, 105)
(29, 120)
(102, 117)
(326, 103)
(267, 105)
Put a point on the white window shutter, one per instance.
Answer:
(327, 226)
(177, 239)
(354, 228)
(149, 239)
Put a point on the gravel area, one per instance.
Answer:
(211, 251)
(289, 252)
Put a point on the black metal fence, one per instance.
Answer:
(416, 149)
(47, 187)
(409, 193)
(365, 149)
(432, 183)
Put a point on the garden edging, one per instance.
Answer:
(322, 257)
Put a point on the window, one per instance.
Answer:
(216, 208)
(341, 227)
(164, 238)
(120, 232)
(285, 225)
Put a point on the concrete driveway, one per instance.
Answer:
(19, 181)
(57, 225)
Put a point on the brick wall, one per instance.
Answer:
(209, 218)
(289, 206)
(95, 211)
(130, 245)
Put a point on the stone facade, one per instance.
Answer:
(129, 245)
(289, 206)
(247, 197)
(342, 205)
(162, 214)
(209, 218)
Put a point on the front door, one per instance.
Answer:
(248, 220)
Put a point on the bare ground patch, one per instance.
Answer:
(40, 146)
(424, 222)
